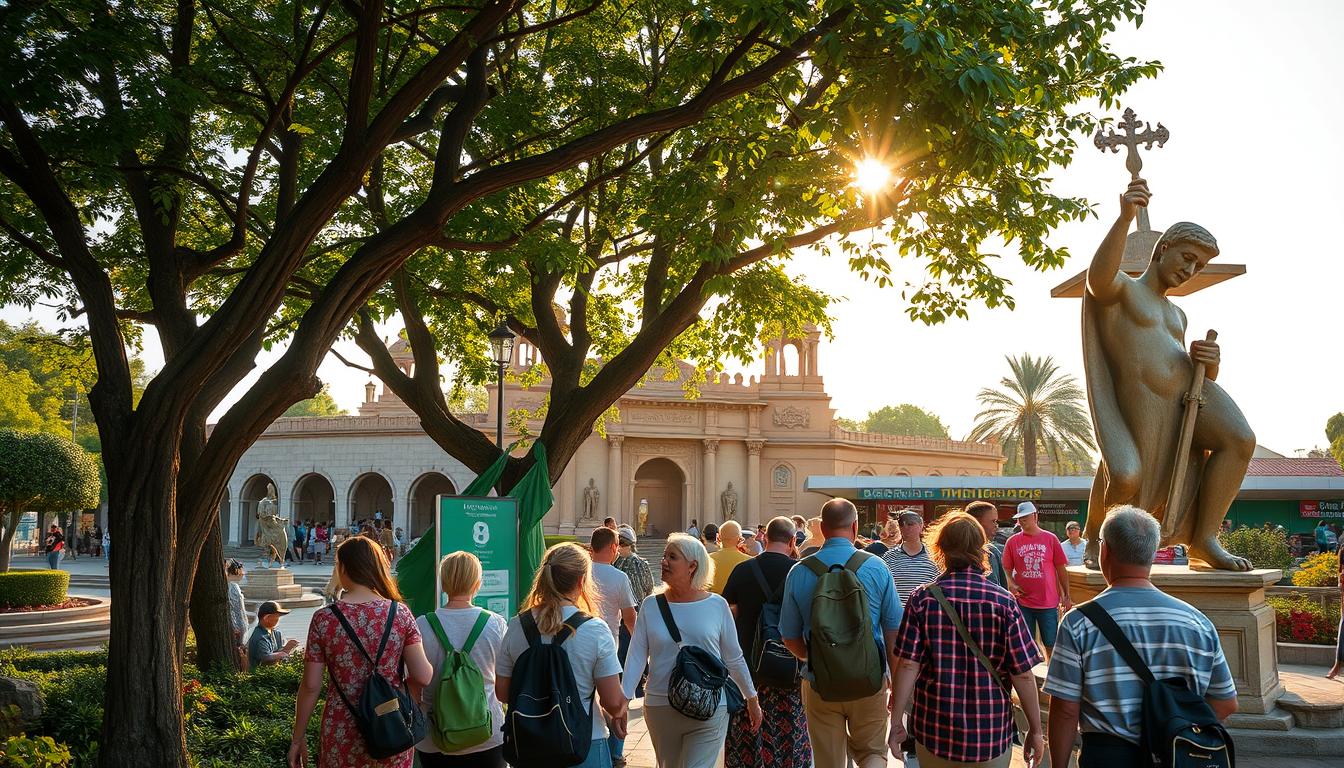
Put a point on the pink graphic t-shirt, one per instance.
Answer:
(1032, 559)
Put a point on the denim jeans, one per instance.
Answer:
(1046, 619)
(599, 756)
(54, 560)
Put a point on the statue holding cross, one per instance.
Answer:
(1182, 459)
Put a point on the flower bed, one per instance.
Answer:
(1303, 619)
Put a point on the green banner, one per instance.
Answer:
(488, 528)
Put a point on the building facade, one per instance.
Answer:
(741, 448)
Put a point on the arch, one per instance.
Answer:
(790, 359)
(901, 472)
(864, 471)
(421, 501)
(313, 498)
(660, 482)
(370, 493)
(254, 490)
(935, 473)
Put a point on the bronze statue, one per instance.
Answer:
(1138, 374)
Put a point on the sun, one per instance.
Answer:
(871, 175)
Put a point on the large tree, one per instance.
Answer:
(675, 248)
(202, 169)
(1037, 410)
(40, 472)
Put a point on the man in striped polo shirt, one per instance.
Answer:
(1092, 683)
(909, 561)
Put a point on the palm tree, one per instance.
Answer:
(1038, 408)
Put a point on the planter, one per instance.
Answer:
(1306, 655)
(82, 628)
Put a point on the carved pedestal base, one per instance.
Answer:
(276, 584)
(1235, 603)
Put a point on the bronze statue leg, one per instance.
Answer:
(1222, 430)
(1096, 514)
(1117, 483)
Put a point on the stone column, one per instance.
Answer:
(751, 511)
(615, 476)
(232, 533)
(566, 493)
(710, 478)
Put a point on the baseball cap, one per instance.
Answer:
(269, 607)
(748, 534)
(626, 534)
(1024, 509)
(909, 515)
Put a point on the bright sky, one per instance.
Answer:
(1250, 96)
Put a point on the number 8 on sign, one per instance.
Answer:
(480, 533)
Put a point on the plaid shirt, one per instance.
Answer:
(960, 713)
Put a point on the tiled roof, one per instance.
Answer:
(1295, 468)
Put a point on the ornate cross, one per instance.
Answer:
(1131, 139)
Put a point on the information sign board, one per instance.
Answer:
(488, 528)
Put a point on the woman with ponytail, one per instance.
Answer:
(564, 587)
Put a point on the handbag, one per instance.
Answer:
(1019, 717)
(698, 677)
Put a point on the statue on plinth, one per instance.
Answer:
(272, 530)
(1182, 458)
(591, 497)
(642, 517)
(728, 502)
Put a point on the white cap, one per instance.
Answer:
(1024, 509)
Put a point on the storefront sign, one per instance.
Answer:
(950, 494)
(487, 528)
(1321, 508)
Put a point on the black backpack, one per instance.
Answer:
(547, 723)
(699, 678)
(388, 718)
(772, 664)
(1177, 728)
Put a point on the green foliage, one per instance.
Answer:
(905, 419)
(1305, 619)
(232, 721)
(33, 752)
(1334, 432)
(1265, 549)
(33, 587)
(1037, 409)
(44, 473)
(552, 540)
(1318, 570)
(320, 404)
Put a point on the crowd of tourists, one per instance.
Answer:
(813, 647)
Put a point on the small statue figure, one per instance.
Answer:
(591, 497)
(643, 517)
(272, 531)
(728, 502)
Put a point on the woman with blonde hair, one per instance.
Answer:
(344, 638)
(815, 538)
(699, 618)
(563, 590)
(963, 708)
(461, 626)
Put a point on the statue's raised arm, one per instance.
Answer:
(1104, 280)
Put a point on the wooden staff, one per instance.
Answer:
(1193, 400)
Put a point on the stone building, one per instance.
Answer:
(764, 434)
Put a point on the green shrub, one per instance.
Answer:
(26, 588)
(551, 541)
(232, 721)
(1305, 619)
(1265, 549)
(33, 752)
(1319, 570)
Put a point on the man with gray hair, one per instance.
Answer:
(1089, 680)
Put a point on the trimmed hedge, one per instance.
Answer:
(33, 587)
(551, 540)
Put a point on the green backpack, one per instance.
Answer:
(460, 714)
(845, 661)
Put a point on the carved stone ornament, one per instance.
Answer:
(663, 417)
(783, 477)
(790, 417)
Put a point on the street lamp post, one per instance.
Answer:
(501, 347)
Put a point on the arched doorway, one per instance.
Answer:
(313, 499)
(423, 491)
(660, 482)
(254, 490)
(370, 494)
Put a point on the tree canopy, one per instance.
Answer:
(320, 404)
(1334, 432)
(903, 419)
(40, 472)
(1038, 409)
(230, 175)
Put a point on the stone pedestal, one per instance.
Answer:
(1235, 603)
(276, 584)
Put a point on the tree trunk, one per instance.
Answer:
(7, 540)
(209, 606)
(142, 722)
(1029, 451)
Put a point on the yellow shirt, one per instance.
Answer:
(725, 560)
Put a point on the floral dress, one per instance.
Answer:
(341, 745)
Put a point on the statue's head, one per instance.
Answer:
(730, 485)
(270, 490)
(1182, 252)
